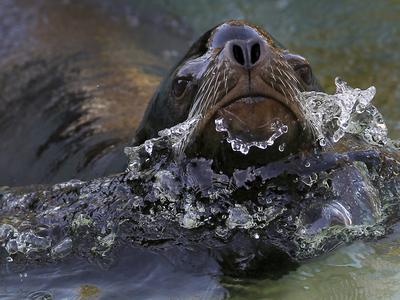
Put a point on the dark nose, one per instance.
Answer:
(246, 53)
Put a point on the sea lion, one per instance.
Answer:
(239, 75)
(70, 115)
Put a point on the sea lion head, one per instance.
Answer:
(244, 85)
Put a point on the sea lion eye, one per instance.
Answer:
(179, 86)
(305, 73)
(300, 66)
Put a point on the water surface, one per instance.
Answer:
(356, 40)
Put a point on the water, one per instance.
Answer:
(243, 147)
(346, 39)
(149, 276)
(97, 220)
(359, 271)
(349, 111)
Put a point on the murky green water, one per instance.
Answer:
(356, 40)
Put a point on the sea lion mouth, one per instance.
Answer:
(253, 114)
(243, 123)
(251, 111)
(254, 119)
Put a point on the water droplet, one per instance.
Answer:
(148, 146)
(244, 149)
(338, 135)
(62, 249)
(307, 164)
(241, 146)
(239, 217)
(219, 125)
(360, 108)
(190, 218)
(282, 147)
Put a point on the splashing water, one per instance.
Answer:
(180, 134)
(348, 111)
(239, 217)
(238, 144)
(175, 139)
(160, 196)
(331, 117)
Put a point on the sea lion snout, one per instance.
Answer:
(246, 53)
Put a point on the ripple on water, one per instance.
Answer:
(40, 295)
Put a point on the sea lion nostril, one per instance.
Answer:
(238, 54)
(255, 53)
(246, 53)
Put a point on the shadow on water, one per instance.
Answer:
(75, 78)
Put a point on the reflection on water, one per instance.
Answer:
(355, 40)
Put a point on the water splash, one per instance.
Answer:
(305, 204)
(243, 147)
(239, 217)
(180, 134)
(27, 242)
(173, 140)
(348, 111)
